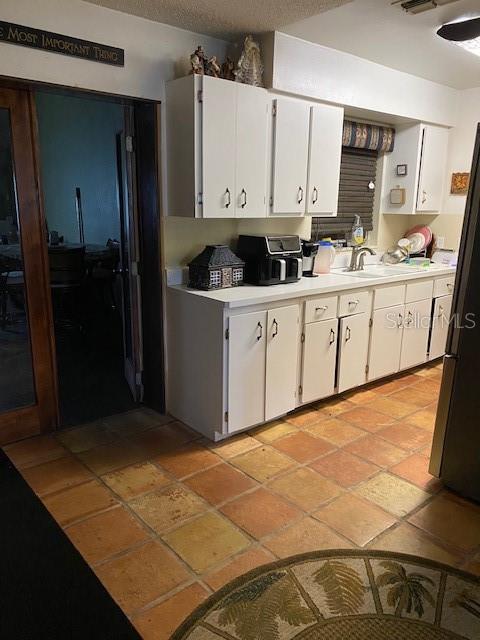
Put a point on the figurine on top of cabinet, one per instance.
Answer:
(198, 60)
(197, 66)
(213, 68)
(250, 68)
(228, 67)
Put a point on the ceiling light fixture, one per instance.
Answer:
(465, 34)
(419, 6)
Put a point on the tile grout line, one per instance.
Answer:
(258, 544)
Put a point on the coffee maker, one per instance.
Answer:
(271, 259)
(310, 250)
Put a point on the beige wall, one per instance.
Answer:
(460, 148)
(392, 227)
(184, 238)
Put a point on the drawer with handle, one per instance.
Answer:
(323, 308)
(355, 302)
(443, 286)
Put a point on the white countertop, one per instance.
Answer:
(326, 283)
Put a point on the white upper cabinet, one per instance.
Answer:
(235, 152)
(420, 151)
(217, 134)
(218, 108)
(290, 129)
(433, 161)
(251, 151)
(325, 151)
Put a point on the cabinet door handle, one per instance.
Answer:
(323, 308)
(229, 198)
(424, 198)
(314, 195)
(300, 195)
(244, 200)
(409, 319)
(332, 336)
(440, 311)
(449, 286)
(348, 334)
(275, 331)
(353, 303)
(400, 321)
(260, 333)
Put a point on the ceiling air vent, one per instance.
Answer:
(419, 6)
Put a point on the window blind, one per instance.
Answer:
(358, 168)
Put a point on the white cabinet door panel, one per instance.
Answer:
(282, 359)
(246, 370)
(353, 351)
(432, 168)
(290, 156)
(415, 333)
(218, 143)
(442, 310)
(251, 152)
(385, 341)
(319, 360)
(325, 150)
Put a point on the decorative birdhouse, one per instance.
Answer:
(217, 267)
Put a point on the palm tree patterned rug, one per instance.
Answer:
(342, 595)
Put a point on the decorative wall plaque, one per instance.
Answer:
(57, 43)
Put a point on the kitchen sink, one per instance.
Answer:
(379, 271)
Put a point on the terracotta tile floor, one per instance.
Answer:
(165, 517)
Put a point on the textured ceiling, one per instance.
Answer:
(225, 19)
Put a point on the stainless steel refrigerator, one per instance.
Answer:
(456, 445)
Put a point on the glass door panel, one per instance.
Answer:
(28, 387)
(16, 367)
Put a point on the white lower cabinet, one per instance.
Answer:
(319, 360)
(442, 310)
(281, 361)
(353, 351)
(416, 328)
(233, 368)
(246, 370)
(262, 366)
(385, 341)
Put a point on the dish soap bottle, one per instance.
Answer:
(358, 236)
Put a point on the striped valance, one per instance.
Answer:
(367, 136)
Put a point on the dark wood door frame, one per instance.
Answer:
(31, 420)
(42, 416)
(146, 117)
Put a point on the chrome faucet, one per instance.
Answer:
(357, 261)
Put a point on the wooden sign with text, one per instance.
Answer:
(56, 43)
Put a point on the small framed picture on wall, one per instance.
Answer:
(460, 183)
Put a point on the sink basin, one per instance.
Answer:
(379, 271)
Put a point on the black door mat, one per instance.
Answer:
(47, 590)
